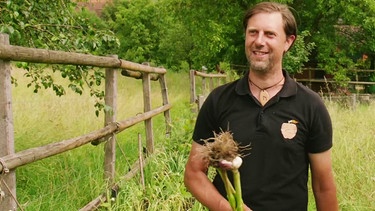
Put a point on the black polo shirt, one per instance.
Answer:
(293, 123)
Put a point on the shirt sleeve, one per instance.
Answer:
(320, 135)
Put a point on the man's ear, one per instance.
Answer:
(289, 42)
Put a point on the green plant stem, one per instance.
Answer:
(228, 188)
(238, 191)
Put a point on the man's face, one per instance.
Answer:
(266, 42)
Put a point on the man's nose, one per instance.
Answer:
(259, 39)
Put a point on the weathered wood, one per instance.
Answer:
(140, 67)
(132, 74)
(95, 204)
(110, 100)
(34, 154)
(135, 168)
(350, 70)
(38, 153)
(193, 96)
(201, 99)
(353, 101)
(211, 84)
(209, 75)
(204, 86)
(33, 55)
(144, 71)
(122, 125)
(331, 81)
(167, 113)
(138, 75)
(147, 107)
(7, 202)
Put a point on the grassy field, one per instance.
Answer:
(69, 181)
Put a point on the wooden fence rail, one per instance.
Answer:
(33, 55)
(31, 155)
(199, 98)
(9, 160)
(309, 77)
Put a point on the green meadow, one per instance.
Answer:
(70, 180)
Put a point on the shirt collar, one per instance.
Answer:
(289, 87)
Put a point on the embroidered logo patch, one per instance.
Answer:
(289, 130)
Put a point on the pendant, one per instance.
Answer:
(263, 97)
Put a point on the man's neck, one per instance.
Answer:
(265, 79)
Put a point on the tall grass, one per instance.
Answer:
(69, 181)
(354, 156)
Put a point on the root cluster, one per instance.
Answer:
(220, 147)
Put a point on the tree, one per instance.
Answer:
(334, 35)
(136, 23)
(212, 27)
(58, 25)
(342, 32)
(170, 32)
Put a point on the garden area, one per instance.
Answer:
(336, 41)
(70, 180)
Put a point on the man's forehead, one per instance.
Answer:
(265, 20)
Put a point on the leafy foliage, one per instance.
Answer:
(135, 23)
(298, 54)
(334, 35)
(58, 25)
(212, 27)
(343, 31)
(199, 33)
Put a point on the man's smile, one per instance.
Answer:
(260, 53)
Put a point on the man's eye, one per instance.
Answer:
(270, 34)
(252, 32)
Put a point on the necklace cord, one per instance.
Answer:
(264, 89)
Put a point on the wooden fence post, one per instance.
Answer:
(110, 116)
(10, 160)
(211, 84)
(201, 99)
(7, 179)
(204, 86)
(147, 107)
(193, 92)
(353, 101)
(167, 114)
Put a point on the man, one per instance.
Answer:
(286, 124)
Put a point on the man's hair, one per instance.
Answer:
(290, 25)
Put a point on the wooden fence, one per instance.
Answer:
(198, 97)
(309, 77)
(10, 160)
(316, 79)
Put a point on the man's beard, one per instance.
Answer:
(260, 66)
(263, 66)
